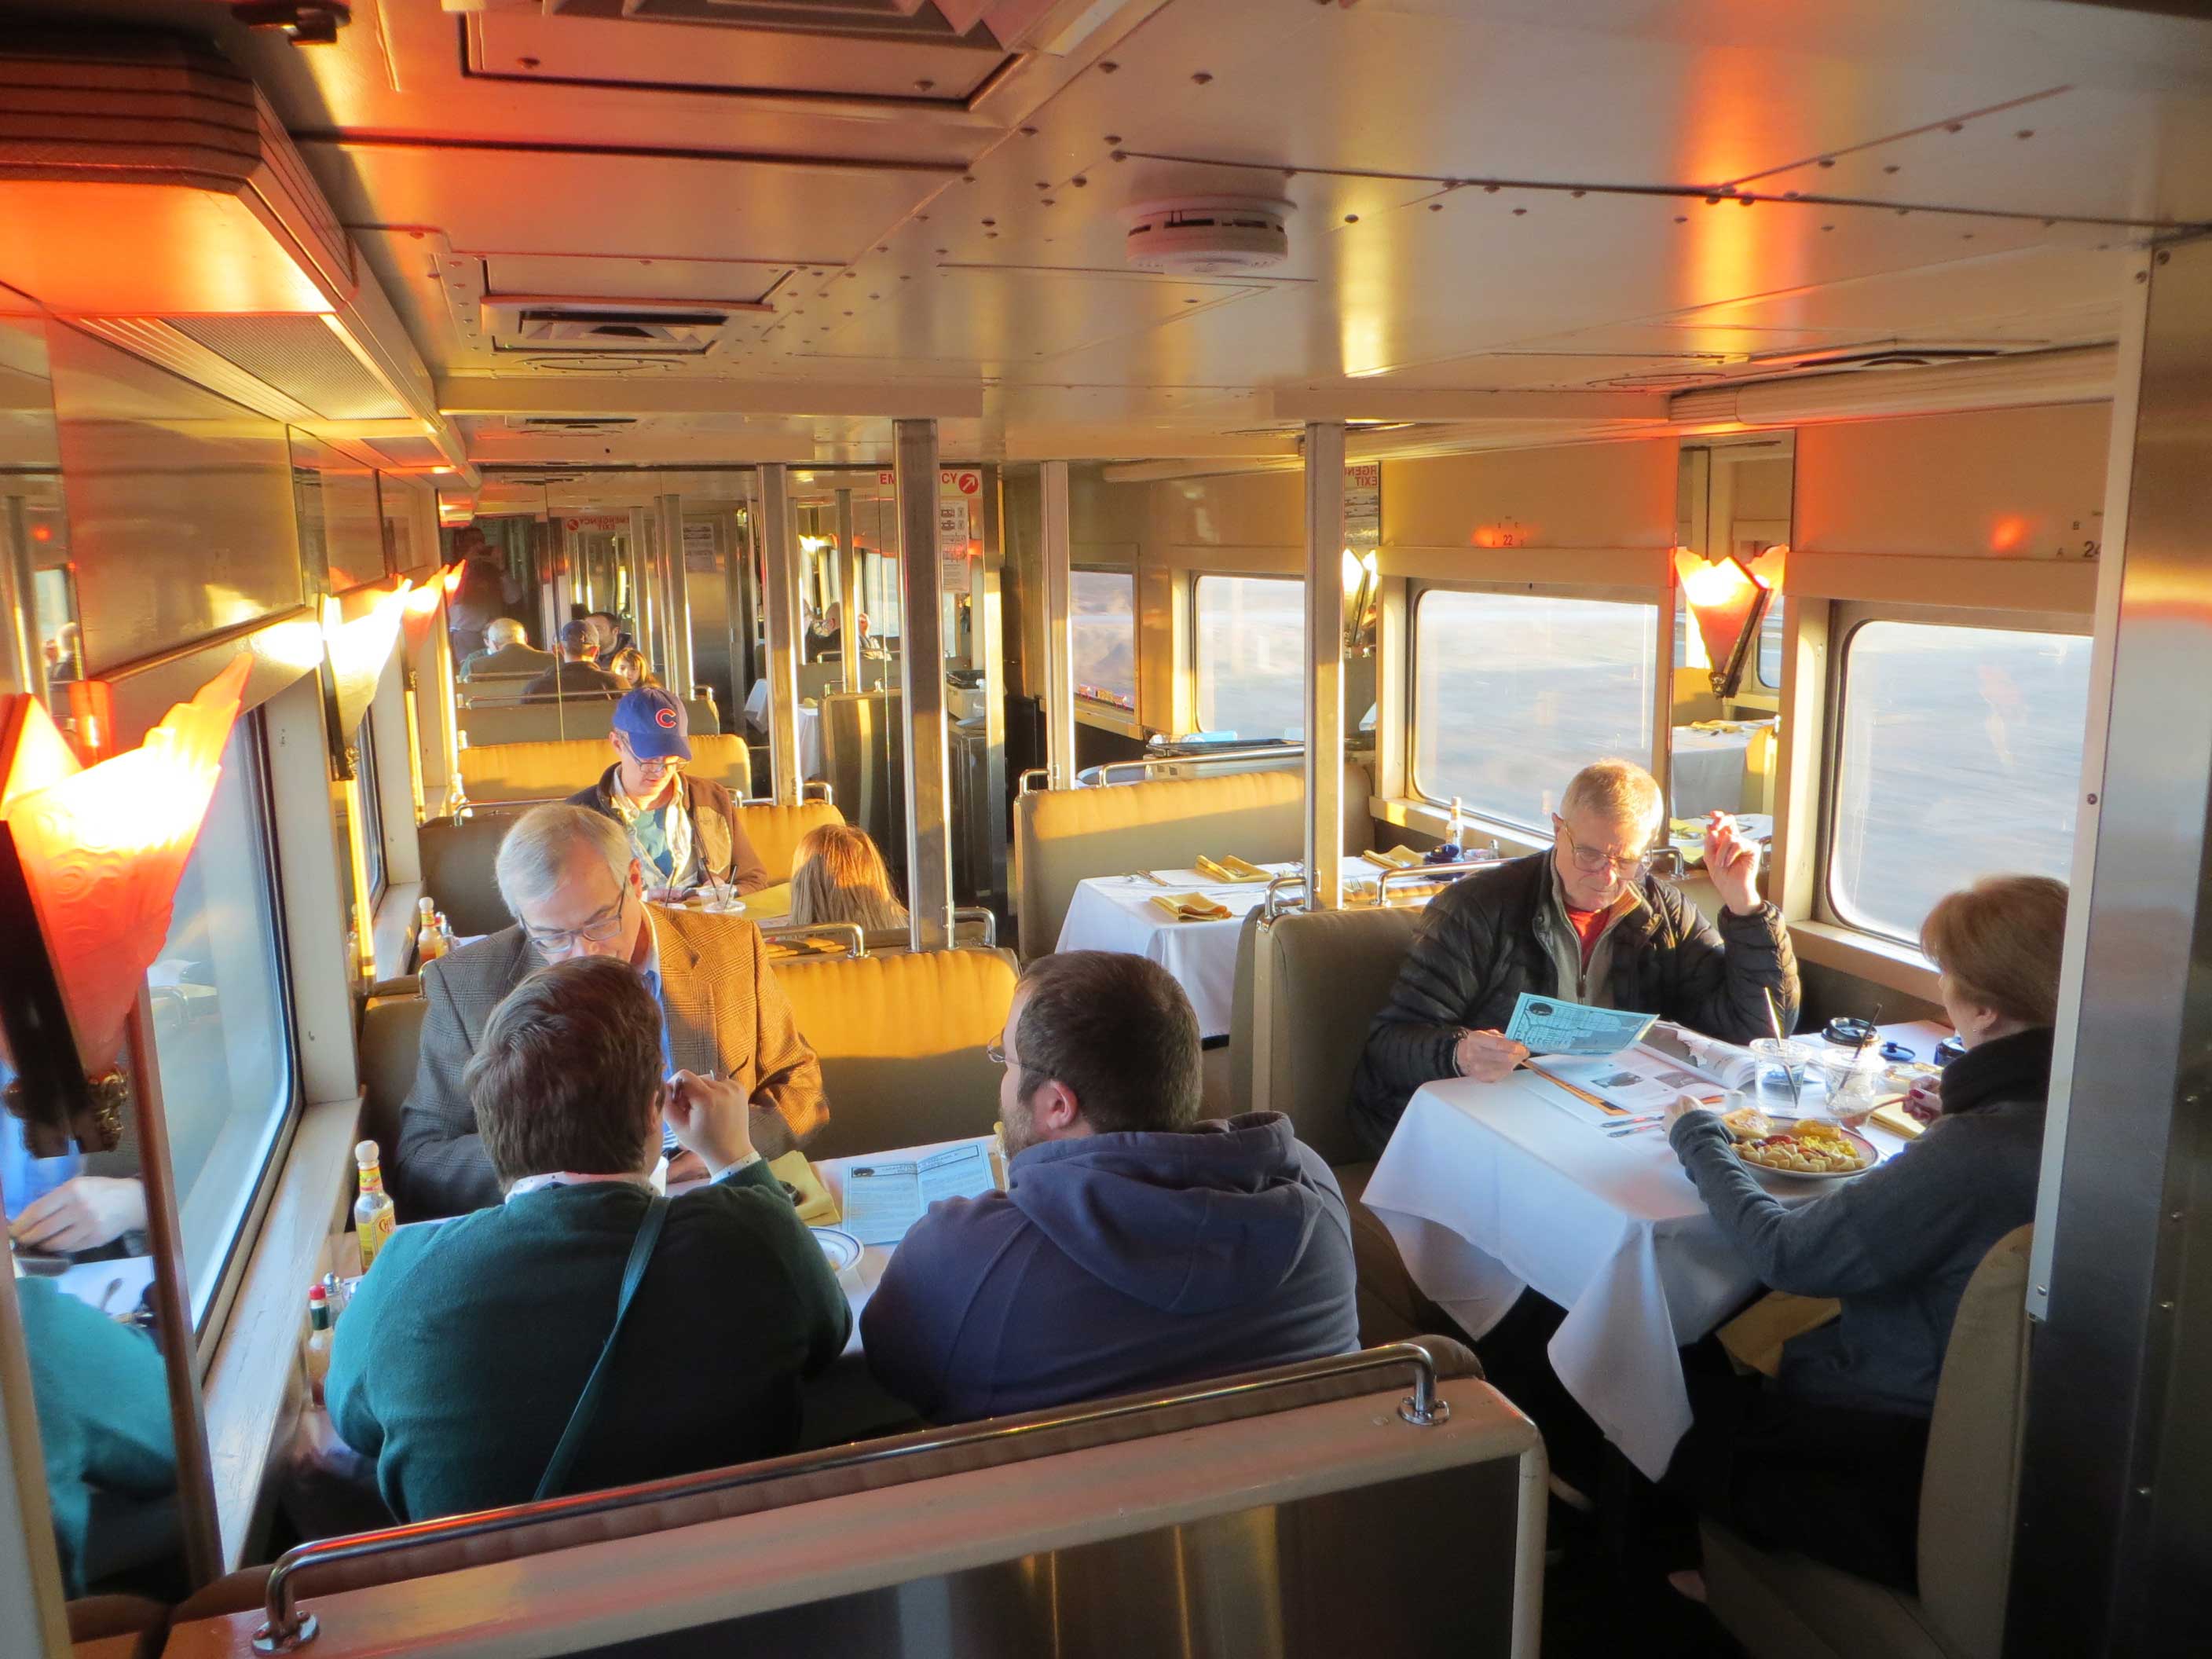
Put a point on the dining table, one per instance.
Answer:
(810, 728)
(1492, 1189)
(1705, 766)
(1116, 913)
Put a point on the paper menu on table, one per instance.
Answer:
(882, 1200)
(1638, 1081)
(1549, 1026)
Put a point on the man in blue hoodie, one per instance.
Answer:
(1135, 1247)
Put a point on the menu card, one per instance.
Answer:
(882, 1200)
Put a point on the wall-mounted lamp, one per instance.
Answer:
(1729, 597)
(94, 854)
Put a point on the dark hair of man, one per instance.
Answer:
(1118, 1032)
(568, 1073)
(578, 639)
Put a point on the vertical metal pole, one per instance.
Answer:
(780, 549)
(173, 1304)
(986, 624)
(637, 555)
(19, 622)
(2116, 1454)
(1324, 665)
(1059, 646)
(921, 679)
(682, 675)
(737, 611)
(849, 571)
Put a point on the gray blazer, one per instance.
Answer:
(727, 1018)
(509, 662)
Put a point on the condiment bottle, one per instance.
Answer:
(373, 1215)
(429, 943)
(319, 1341)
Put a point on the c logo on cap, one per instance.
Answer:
(665, 719)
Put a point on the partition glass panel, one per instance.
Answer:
(1103, 627)
(1250, 655)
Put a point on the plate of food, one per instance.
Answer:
(843, 1249)
(1804, 1149)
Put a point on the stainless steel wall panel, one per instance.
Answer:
(181, 505)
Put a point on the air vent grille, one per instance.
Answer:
(898, 20)
(302, 358)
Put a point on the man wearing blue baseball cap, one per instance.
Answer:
(686, 829)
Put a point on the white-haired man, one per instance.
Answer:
(508, 654)
(571, 880)
(1586, 922)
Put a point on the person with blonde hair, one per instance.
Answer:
(630, 667)
(1895, 1247)
(1586, 922)
(837, 875)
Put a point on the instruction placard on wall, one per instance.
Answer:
(952, 541)
(1363, 505)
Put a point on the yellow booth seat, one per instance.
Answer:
(775, 831)
(1063, 836)
(499, 773)
(900, 1040)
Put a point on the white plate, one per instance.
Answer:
(843, 1249)
(1784, 1126)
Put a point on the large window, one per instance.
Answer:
(220, 1027)
(1514, 693)
(1102, 629)
(1250, 655)
(1961, 751)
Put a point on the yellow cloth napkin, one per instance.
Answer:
(1754, 1338)
(815, 1207)
(1725, 728)
(1230, 869)
(1892, 1116)
(1191, 907)
(1395, 858)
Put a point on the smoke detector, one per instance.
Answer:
(1208, 236)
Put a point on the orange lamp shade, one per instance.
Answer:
(419, 612)
(103, 847)
(359, 648)
(1728, 597)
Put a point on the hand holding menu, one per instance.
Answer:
(1546, 1025)
(882, 1200)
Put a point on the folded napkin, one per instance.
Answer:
(1231, 868)
(1892, 1116)
(1191, 907)
(815, 1207)
(1394, 858)
(1724, 728)
(1754, 1338)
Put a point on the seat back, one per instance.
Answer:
(499, 773)
(1970, 1487)
(900, 1040)
(1758, 763)
(458, 861)
(775, 831)
(391, 1029)
(1308, 986)
(487, 722)
(1063, 836)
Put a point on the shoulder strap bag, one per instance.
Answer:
(579, 1421)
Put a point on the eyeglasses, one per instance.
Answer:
(1595, 860)
(996, 1053)
(601, 929)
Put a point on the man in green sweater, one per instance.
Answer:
(460, 1360)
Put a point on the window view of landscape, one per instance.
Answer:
(1515, 693)
(1250, 655)
(1102, 634)
(1961, 751)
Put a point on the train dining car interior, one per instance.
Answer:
(993, 828)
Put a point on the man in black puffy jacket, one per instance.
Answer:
(1586, 922)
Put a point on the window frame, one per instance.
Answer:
(1197, 578)
(239, 1251)
(1099, 706)
(1657, 600)
(1845, 618)
(369, 790)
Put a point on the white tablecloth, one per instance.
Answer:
(1115, 912)
(810, 728)
(1488, 1188)
(1706, 771)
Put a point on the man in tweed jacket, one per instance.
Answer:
(569, 878)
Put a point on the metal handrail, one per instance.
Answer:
(828, 793)
(989, 918)
(1270, 905)
(1021, 779)
(286, 1630)
(1092, 777)
(1416, 872)
(856, 941)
